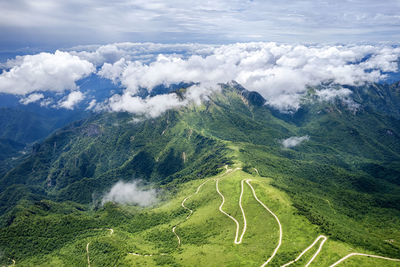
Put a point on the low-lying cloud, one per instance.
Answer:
(294, 141)
(130, 193)
(156, 105)
(281, 73)
(342, 94)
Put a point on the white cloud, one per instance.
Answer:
(156, 105)
(330, 94)
(130, 193)
(280, 73)
(71, 100)
(92, 104)
(294, 141)
(343, 94)
(31, 98)
(151, 106)
(46, 102)
(144, 52)
(43, 72)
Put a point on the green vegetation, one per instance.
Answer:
(59, 233)
(344, 183)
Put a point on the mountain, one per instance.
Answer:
(331, 168)
(9, 152)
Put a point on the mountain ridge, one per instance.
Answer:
(349, 162)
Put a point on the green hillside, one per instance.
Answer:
(342, 182)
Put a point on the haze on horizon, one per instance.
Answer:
(51, 24)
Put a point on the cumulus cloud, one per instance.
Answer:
(144, 52)
(280, 73)
(43, 72)
(71, 100)
(130, 193)
(294, 141)
(152, 106)
(31, 98)
(156, 105)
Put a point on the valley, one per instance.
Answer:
(229, 193)
(189, 133)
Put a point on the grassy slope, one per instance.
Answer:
(318, 182)
(207, 236)
(330, 170)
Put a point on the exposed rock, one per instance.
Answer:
(92, 130)
(252, 97)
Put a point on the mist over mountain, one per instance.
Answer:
(114, 77)
(187, 133)
(121, 153)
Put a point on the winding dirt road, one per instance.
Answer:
(186, 208)
(318, 251)
(324, 238)
(364, 255)
(197, 191)
(237, 240)
(177, 236)
(87, 253)
(13, 262)
(257, 171)
(276, 218)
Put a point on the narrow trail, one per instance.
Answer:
(276, 218)
(177, 236)
(241, 208)
(237, 239)
(87, 253)
(257, 171)
(197, 191)
(364, 255)
(13, 262)
(324, 238)
(186, 208)
(318, 251)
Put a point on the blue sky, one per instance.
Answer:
(61, 24)
(277, 48)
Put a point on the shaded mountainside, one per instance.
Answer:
(9, 148)
(28, 124)
(89, 156)
(345, 179)
(9, 152)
